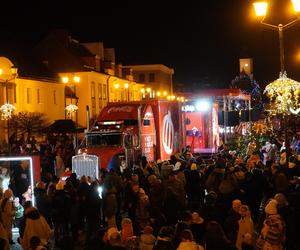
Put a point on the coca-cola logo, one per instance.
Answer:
(168, 133)
(127, 109)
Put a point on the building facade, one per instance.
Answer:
(158, 77)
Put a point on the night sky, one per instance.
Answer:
(201, 41)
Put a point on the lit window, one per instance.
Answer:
(29, 97)
(93, 89)
(104, 91)
(38, 96)
(54, 96)
(99, 91)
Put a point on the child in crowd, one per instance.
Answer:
(19, 212)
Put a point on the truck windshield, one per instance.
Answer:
(102, 140)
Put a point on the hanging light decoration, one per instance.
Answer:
(284, 95)
(6, 111)
(71, 108)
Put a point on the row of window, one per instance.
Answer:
(29, 98)
(101, 90)
(142, 77)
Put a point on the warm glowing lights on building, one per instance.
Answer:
(260, 8)
(76, 78)
(126, 85)
(65, 79)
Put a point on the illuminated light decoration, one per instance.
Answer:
(284, 94)
(71, 108)
(158, 93)
(296, 4)
(6, 111)
(148, 90)
(143, 90)
(173, 97)
(76, 78)
(25, 158)
(126, 85)
(165, 93)
(65, 79)
(260, 128)
(203, 105)
(1, 71)
(295, 111)
(260, 8)
(169, 97)
(117, 85)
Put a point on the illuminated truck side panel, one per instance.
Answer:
(168, 129)
(148, 134)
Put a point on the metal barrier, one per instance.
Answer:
(87, 165)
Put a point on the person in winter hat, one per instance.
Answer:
(187, 241)
(245, 226)
(127, 229)
(35, 225)
(271, 207)
(60, 185)
(8, 212)
(147, 239)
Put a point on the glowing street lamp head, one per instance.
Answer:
(76, 78)
(296, 4)
(260, 8)
(65, 79)
(126, 85)
(158, 93)
(117, 85)
(143, 90)
(165, 93)
(148, 90)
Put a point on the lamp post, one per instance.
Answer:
(7, 108)
(283, 90)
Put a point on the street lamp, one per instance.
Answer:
(7, 108)
(261, 11)
(283, 92)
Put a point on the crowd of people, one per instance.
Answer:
(224, 202)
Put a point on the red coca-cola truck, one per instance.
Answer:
(151, 128)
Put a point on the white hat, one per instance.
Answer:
(271, 207)
(176, 166)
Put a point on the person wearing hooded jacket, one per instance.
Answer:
(35, 225)
(8, 212)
